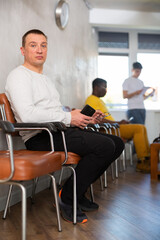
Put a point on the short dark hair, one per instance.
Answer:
(35, 31)
(137, 65)
(98, 82)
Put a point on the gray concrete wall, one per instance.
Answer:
(72, 55)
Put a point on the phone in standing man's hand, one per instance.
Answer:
(130, 119)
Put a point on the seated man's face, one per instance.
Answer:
(35, 49)
(102, 89)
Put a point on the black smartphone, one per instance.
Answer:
(88, 110)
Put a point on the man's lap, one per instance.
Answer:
(78, 141)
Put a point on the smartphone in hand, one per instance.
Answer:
(88, 110)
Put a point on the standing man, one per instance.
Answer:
(34, 98)
(134, 91)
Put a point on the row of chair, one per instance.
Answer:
(113, 128)
(27, 165)
(23, 165)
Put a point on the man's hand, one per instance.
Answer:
(138, 92)
(130, 95)
(79, 120)
(97, 117)
(123, 121)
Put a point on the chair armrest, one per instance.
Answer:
(7, 126)
(93, 127)
(60, 126)
(108, 125)
(51, 127)
(116, 125)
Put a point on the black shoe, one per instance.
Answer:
(86, 205)
(67, 212)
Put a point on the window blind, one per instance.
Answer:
(113, 40)
(149, 41)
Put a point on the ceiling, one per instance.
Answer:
(133, 5)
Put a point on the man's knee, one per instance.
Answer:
(140, 127)
(106, 147)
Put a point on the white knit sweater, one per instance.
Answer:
(34, 98)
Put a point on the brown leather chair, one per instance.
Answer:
(68, 158)
(24, 165)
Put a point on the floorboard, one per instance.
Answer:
(129, 210)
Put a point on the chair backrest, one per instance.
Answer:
(6, 111)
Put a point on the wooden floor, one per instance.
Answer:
(129, 210)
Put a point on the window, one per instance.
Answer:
(118, 51)
(151, 76)
(113, 40)
(149, 41)
(114, 69)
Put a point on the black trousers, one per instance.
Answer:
(97, 151)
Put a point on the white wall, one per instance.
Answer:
(72, 54)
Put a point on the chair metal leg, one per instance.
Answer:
(35, 181)
(24, 207)
(91, 193)
(112, 171)
(24, 211)
(74, 195)
(116, 167)
(105, 179)
(101, 182)
(60, 177)
(124, 160)
(8, 201)
(56, 202)
(120, 163)
(130, 154)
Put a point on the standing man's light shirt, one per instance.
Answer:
(131, 85)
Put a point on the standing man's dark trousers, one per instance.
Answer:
(97, 150)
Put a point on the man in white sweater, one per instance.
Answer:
(34, 98)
